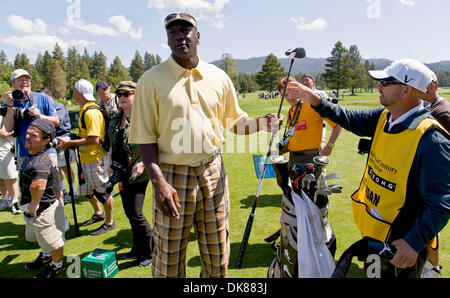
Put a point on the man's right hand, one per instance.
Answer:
(9, 98)
(167, 200)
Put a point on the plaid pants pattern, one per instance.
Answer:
(204, 200)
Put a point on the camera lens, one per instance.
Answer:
(18, 94)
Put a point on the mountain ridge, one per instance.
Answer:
(315, 66)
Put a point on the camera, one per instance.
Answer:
(119, 171)
(17, 112)
(364, 146)
(55, 142)
(18, 94)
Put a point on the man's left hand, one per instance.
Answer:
(406, 256)
(32, 208)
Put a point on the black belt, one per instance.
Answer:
(42, 207)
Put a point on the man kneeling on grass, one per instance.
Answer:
(39, 183)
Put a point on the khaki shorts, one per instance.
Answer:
(62, 158)
(8, 166)
(47, 229)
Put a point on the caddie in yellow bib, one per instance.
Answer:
(382, 193)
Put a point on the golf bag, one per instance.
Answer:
(307, 242)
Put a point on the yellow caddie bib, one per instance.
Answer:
(382, 192)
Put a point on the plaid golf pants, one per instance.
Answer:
(204, 200)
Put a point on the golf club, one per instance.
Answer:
(294, 54)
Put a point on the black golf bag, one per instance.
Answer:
(311, 180)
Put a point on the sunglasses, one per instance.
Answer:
(385, 83)
(180, 16)
(126, 94)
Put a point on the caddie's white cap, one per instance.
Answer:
(409, 71)
(86, 88)
(19, 73)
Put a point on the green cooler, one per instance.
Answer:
(100, 263)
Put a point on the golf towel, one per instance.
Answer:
(314, 258)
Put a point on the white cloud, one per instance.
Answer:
(38, 43)
(35, 36)
(120, 27)
(202, 9)
(409, 3)
(316, 25)
(124, 27)
(22, 25)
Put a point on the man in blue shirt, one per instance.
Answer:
(426, 208)
(39, 105)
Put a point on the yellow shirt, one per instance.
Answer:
(308, 129)
(183, 111)
(95, 127)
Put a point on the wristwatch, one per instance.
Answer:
(331, 145)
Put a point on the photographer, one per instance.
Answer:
(27, 107)
(131, 174)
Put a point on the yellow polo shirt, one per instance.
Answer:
(308, 129)
(183, 111)
(95, 127)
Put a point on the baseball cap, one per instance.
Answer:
(408, 71)
(180, 16)
(45, 126)
(102, 84)
(19, 73)
(126, 85)
(85, 87)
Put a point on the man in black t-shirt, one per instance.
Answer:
(39, 184)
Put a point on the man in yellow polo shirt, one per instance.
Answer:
(180, 109)
(94, 159)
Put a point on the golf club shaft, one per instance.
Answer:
(249, 225)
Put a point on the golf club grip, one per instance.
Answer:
(244, 242)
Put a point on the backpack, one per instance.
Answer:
(106, 144)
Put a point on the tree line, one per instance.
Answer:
(59, 72)
(344, 69)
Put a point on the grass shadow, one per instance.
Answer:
(264, 201)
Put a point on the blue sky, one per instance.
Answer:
(390, 29)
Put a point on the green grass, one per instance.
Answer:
(15, 251)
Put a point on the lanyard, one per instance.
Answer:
(293, 119)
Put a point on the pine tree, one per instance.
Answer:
(137, 67)
(58, 55)
(117, 73)
(358, 74)
(270, 74)
(97, 68)
(337, 69)
(149, 61)
(228, 65)
(57, 81)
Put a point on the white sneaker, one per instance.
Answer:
(5, 203)
(430, 271)
(15, 208)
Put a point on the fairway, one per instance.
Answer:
(345, 161)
